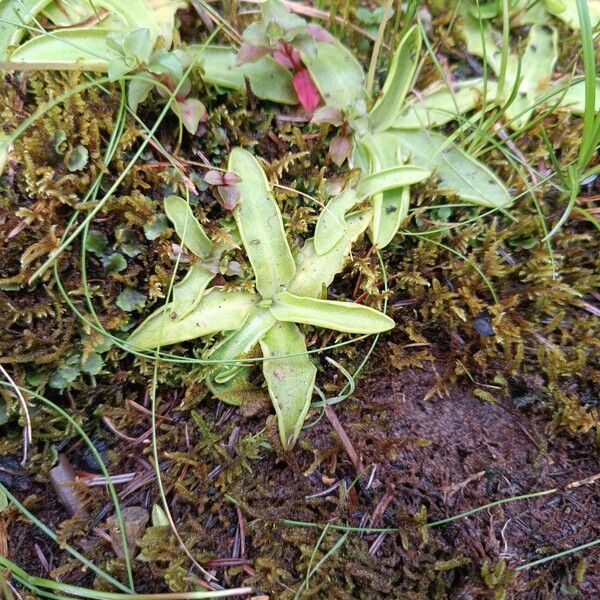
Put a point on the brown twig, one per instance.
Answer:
(339, 429)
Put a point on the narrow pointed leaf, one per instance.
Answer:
(336, 73)
(190, 232)
(290, 380)
(331, 225)
(315, 272)
(340, 316)
(260, 225)
(187, 294)
(389, 179)
(218, 311)
(400, 77)
(388, 213)
(268, 79)
(439, 105)
(458, 173)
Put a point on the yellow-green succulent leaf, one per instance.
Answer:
(13, 15)
(260, 225)
(240, 342)
(331, 225)
(59, 49)
(290, 379)
(79, 49)
(482, 41)
(337, 74)
(399, 80)
(314, 271)
(235, 346)
(573, 97)
(458, 173)
(388, 215)
(346, 317)
(390, 179)
(219, 311)
(187, 294)
(566, 11)
(190, 232)
(267, 78)
(69, 14)
(537, 64)
(440, 104)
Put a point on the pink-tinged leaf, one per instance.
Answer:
(214, 178)
(319, 34)
(192, 113)
(328, 114)
(230, 178)
(306, 90)
(282, 59)
(249, 53)
(229, 196)
(339, 149)
(287, 56)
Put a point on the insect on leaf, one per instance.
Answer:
(389, 211)
(398, 82)
(340, 316)
(290, 379)
(260, 225)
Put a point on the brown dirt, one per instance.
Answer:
(448, 454)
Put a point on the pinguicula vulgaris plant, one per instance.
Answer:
(388, 138)
(287, 291)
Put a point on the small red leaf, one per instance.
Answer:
(306, 90)
(192, 113)
(339, 149)
(229, 196)
(230, 178)
(214, 178)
